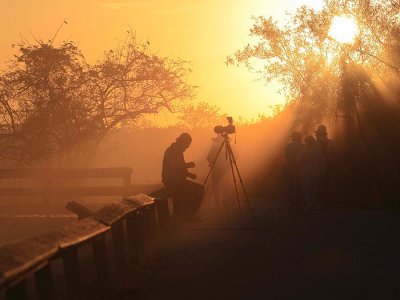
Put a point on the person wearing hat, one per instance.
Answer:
(187, 194)
(328, 152)
(290, 170)
(310, 165)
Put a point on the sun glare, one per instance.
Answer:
(343, 29)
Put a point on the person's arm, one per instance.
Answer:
(192, 175)
(190, 164)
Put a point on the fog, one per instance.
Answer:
(258, 148)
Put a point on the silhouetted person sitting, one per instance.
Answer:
(187, 194)
(290, 170)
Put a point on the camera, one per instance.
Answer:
(225, 130)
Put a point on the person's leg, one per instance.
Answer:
(180, 197)
(313, 189)
(197, 193)
(323, 187)
(306, 183)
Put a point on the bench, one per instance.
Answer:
(49, 185)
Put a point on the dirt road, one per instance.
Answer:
(283, 255)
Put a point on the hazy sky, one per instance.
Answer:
(201, 31)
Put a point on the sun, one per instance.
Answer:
(343, 29)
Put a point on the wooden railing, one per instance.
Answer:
(50, 188)
(117, 236)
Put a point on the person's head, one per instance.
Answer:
(183, 141)
(310, 141)
(296, 136)
(321, 132)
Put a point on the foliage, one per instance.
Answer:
(202, 115)
(52, 100)
(309, 63)
(355, 84)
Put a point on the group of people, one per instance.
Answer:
(308, 170)
(307, 173)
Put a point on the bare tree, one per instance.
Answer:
(131, 81)
(52, 100)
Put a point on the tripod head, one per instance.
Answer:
(226, 130)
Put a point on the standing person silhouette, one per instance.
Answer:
(328, 151)
(291, 172)
(310, 165)
(187, 194)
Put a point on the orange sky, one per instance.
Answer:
(201, 31)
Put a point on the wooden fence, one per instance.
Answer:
(50, 184)
(113, 238)
(116, 235)
(50, 188)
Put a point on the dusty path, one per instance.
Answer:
(329, 255)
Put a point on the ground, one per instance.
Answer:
(282, 255)
(332, 254)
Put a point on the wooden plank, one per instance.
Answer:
(66, 173)
(112, 213)
(65, 191)
(76, 191)
(141, 199)
(20, 257)
(82, 211)
(80, 232)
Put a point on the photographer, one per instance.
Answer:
(187, 194)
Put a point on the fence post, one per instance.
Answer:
(162, 210)
(44, 283)
(119, 249)
(101, 265)
(151, 220)
(135, 237)
(71, 269)
(17, 292)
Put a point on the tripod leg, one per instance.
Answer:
(234, 180)
(232, 158)
(213, 163)
(208, 192)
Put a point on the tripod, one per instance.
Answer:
(234, 167)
